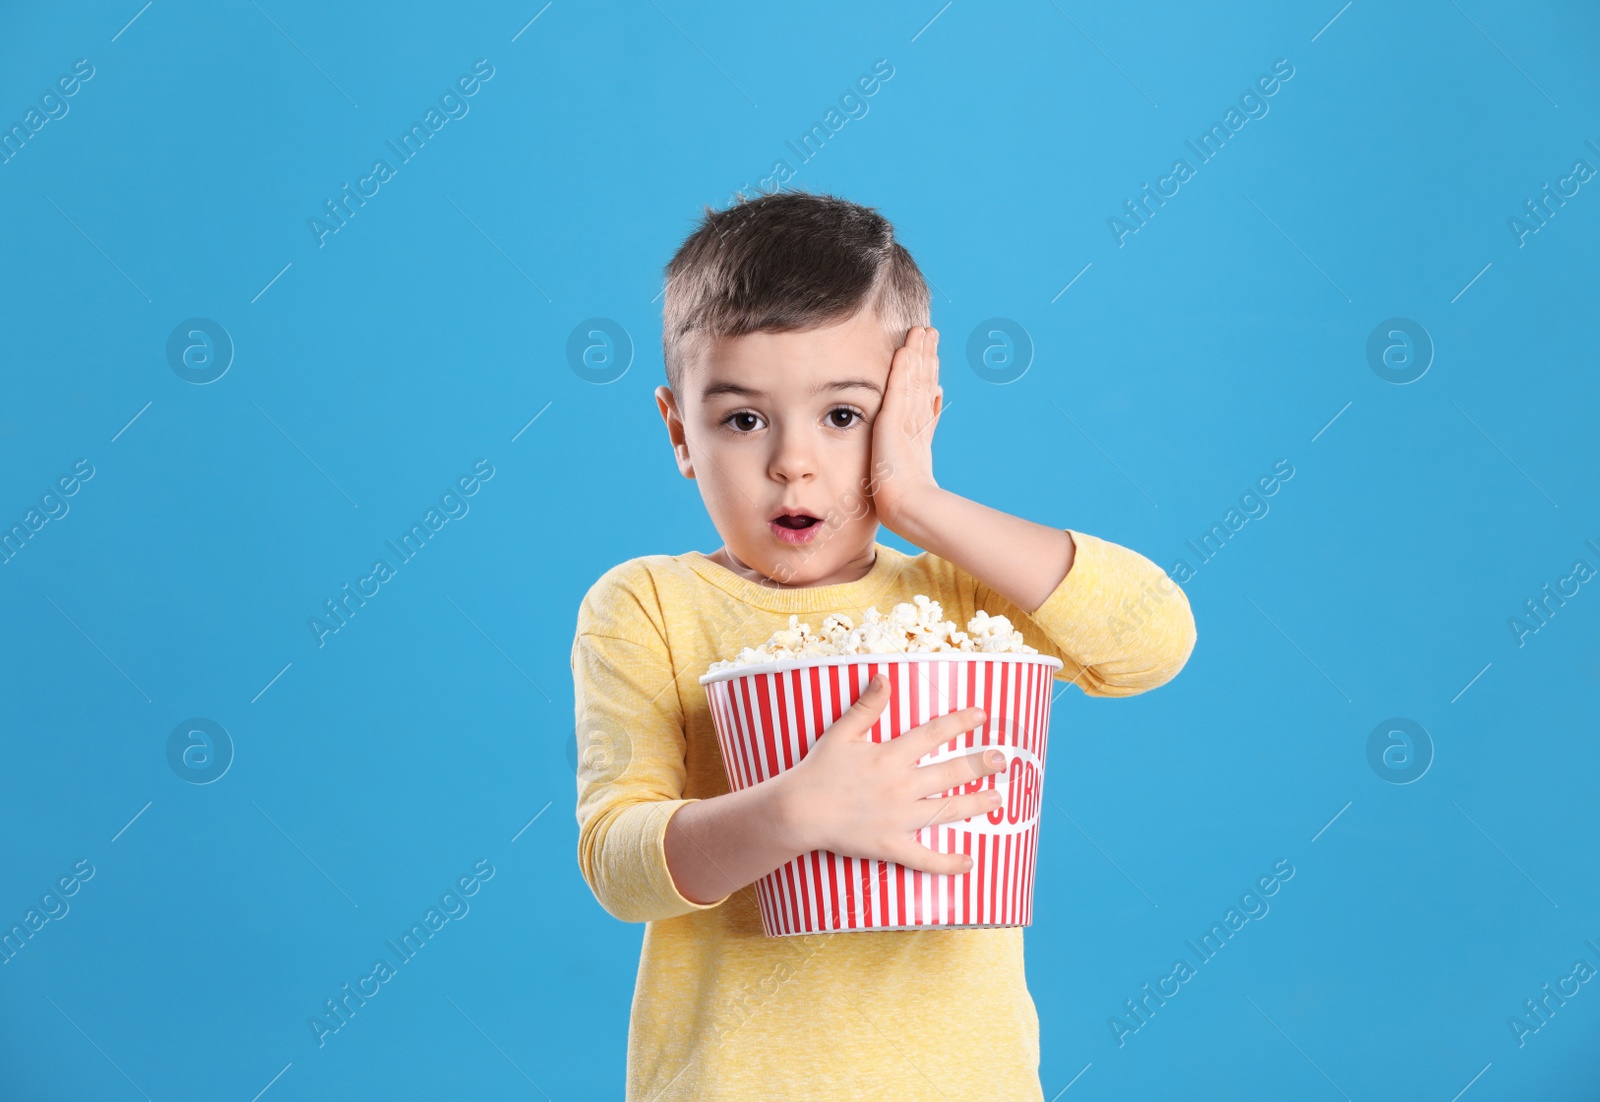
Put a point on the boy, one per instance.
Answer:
(802, 397)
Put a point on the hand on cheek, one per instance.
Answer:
(902, 434)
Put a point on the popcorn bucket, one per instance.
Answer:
(768, 716)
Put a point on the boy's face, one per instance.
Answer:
(781, 423)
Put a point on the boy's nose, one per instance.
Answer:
(792, 459)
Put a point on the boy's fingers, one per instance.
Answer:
(940, 730)
(966, 806)
(865, 710)
(956, 772)
(915, 855)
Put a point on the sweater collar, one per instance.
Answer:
(815, 598)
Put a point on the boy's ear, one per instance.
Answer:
(667, 403)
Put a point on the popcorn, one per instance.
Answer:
(910, 628)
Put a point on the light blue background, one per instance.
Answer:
(426, 334)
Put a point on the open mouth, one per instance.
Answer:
(795, 528)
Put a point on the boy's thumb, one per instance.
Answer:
(871, 702)
(858, 719)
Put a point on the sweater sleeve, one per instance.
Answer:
(630, 747)
(1119, 625)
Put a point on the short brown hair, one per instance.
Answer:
(791, 260)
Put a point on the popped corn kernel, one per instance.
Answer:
(914, 627)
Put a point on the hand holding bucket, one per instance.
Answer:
(879, 860)
(870, 799)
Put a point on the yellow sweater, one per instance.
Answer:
(722, 1012)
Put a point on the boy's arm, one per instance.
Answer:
(649, 854)
(630, 750)
(1119, 625)
(646, 852)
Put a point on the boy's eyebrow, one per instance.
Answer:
(714, 389)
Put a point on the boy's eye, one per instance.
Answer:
(743, 421)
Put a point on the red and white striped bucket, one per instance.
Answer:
(768, 716)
